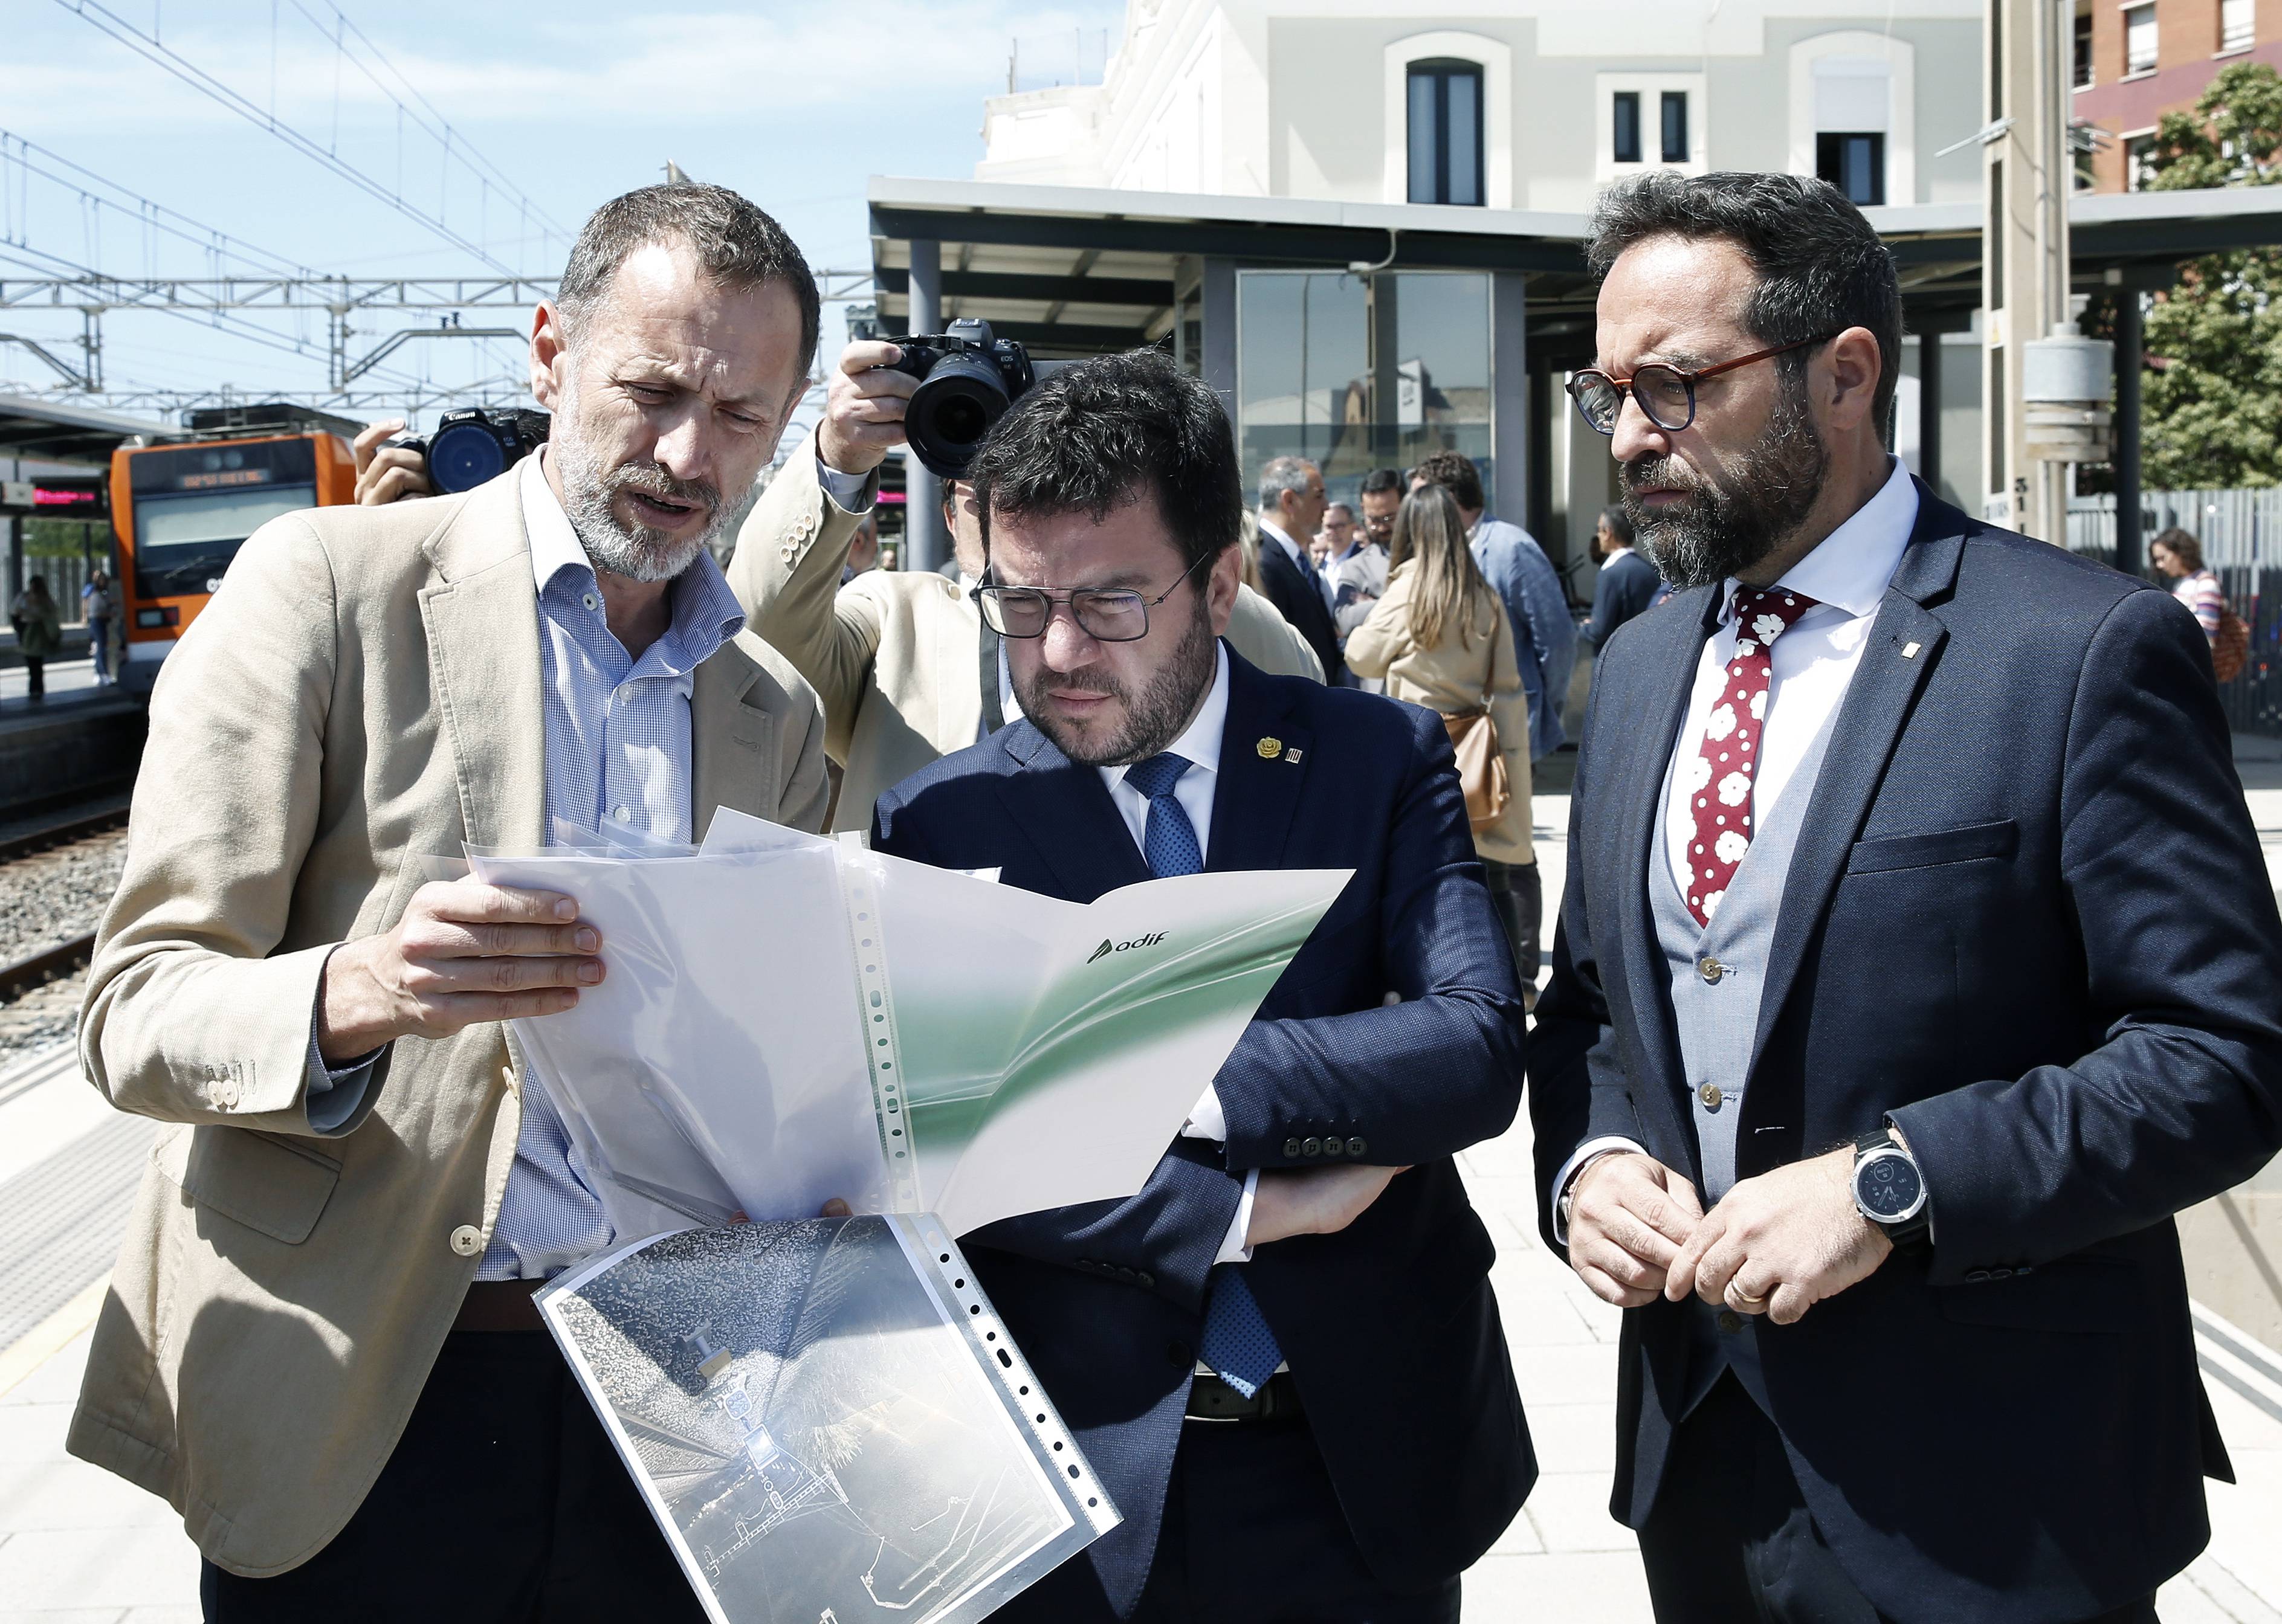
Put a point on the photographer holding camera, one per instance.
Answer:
(906, 670)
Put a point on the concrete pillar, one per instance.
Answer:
(1930, 410)
(2129, 342)
(925, 544)
(1510, 427)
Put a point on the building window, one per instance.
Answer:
(2081, 74)
(1675, 127)
(1625, 142)
(2237, 25)
(2139, 39)
(1445, 132)
(2137, 151)
(1854, 163)
(1359, 373)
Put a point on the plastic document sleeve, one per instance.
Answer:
(828, 1420)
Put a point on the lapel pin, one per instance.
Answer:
(1910, 651)
(1269, 748)
(1292, 756)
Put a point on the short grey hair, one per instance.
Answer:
(1823, 268)
(1331, 507)
(1281, 474)
(737, 246)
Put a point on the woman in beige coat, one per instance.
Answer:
(1440, 637)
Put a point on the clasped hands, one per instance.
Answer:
(1775, 1244)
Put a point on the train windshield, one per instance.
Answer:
(194, 506)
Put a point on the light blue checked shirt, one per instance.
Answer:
(618, 747)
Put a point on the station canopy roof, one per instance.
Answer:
(1077, 270)
(60, 431)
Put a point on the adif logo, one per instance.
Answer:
(1109, 947)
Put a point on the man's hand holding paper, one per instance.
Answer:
(463, 952)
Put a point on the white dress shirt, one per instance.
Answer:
(1810, 668)
(1199, 745)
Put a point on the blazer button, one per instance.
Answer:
(1975, 1276)
(1312, 1147)
(467, 1241)
(1710, 970)
(1291, 1147)
(1180, 1354)
(1335, 1146)
(1355, 1147)
(1730, 1321)
(1145, 1280)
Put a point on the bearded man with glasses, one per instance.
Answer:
(1283, 1356)
(1915, 969)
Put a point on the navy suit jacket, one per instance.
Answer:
(1389, 1326)
(1298, 595)
(1626, 586)
(2027, 919)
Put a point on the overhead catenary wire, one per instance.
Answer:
(148, 47)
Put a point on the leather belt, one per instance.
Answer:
(500, 1305)
(1212, 1399)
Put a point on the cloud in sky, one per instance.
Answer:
(643, 68)
(793, 104)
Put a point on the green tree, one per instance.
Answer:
(2213, 391)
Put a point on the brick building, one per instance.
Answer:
(2136, 60)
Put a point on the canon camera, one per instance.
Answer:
(968, 376)
(477, 444)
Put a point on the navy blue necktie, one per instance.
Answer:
(1236, 1342)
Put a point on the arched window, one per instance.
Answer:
(1445, 123)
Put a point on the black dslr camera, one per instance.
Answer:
(967, 379)
(477, 444)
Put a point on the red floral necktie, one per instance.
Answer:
(1718, 778)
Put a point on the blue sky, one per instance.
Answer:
(565, 104)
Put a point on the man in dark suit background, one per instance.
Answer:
(1283, 1356)
(1915, 970)
(1290, 507)
(1627, 583)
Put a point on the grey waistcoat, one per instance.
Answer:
(1717, 1011)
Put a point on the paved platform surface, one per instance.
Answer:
(78, 1546)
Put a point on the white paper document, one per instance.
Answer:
(828, 1420)
(788, 1019)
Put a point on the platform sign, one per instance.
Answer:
(60, 497)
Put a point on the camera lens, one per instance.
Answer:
(961, 421)
(950, 411)
(463, 456)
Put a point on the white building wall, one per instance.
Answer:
(1292, 97)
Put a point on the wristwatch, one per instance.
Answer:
(1888, 1189)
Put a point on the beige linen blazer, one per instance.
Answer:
(364, 692)
(1450, 678)
(896, 655)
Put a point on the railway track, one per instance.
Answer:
(24, 838)
(62, 828)
(39, 969)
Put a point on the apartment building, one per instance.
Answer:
(2135, 60)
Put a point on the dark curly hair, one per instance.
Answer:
(1097, 433)
(1823, 268)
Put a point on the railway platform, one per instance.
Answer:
(81, 741)
(78, 1546)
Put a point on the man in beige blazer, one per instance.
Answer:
(898, 657)
(319, 1343)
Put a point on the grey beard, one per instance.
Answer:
(1723, 529)
(637, 551)
(1153, 720)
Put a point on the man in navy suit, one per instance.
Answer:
(1282, 1355)
(1916, 966)
(1291, 505)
